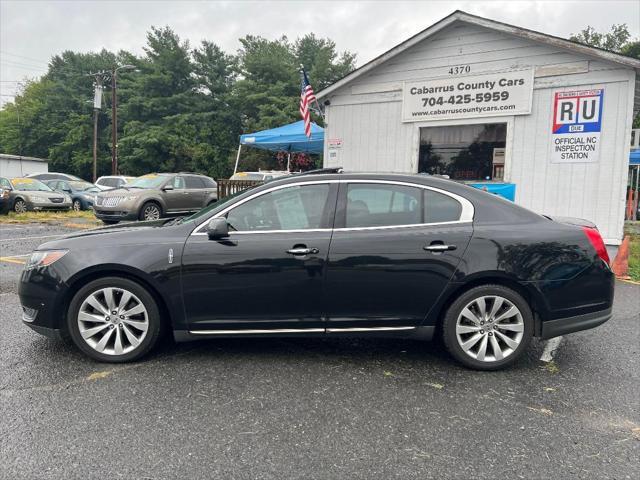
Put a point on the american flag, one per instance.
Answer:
(307, 97)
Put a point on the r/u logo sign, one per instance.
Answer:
(578, 111)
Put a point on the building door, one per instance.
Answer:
(464, 152)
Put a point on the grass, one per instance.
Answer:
(634, 258)
(633, 231)
(84, 217)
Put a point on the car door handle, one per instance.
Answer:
(439, 248)
(303, 251)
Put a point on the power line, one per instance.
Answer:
(22, 56)
(28, 67)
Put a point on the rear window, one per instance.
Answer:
(439, 207)
(209, 182)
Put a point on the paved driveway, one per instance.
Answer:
(296, 408)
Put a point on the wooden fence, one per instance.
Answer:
(229, 187)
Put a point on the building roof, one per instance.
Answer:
(459, 15)
(6, 156)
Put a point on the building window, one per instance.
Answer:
(464, 152)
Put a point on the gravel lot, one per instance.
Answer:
(296, 408)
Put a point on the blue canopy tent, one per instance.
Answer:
(288, 138)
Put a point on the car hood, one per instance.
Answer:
(120, 192)
(28, 194)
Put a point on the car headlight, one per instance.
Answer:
(44, 258)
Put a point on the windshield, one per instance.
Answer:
(248, 176)
(219, 203)
(29, 185)
(81, 185)
(147, 181)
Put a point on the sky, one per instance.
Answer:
(31, 31)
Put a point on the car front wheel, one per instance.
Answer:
(150, 211)
(114, 320)
(20, 206)
(77, 205)
(488, 327)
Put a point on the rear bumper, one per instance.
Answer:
(562, 326)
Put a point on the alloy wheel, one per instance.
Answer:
(489, 328)
(113, 321)
(20, 206)
(77, 206)
(151, 212)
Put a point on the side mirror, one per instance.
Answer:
(166, 188)
(217, 228)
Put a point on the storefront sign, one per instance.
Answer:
(577, 122)
(334, 143)
(487, 95)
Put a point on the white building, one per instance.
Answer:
(483, 101)
(12, 166)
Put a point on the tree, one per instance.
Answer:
(613, 41)
(182, 109)
(617, 40)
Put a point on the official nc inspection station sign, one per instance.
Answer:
(474, 96)
(577, 123)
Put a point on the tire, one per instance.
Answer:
(20, 206)
(150, 211)
(76, 206)
(466, 330)
(132, 335)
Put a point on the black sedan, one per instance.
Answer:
(327, 254)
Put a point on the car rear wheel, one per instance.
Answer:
(150, 211)
(488, 327)
(77, 205)
(114, 320)
(20, 206)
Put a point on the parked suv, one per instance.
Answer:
(156, 195)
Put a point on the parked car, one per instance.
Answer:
(5, 195)
(155, 196)
(30, 194)
(112, 181)
(82, 193)
(261, 175)
(327, 255)
(53, 176)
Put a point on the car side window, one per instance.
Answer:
(299, 207)
(439, 207)
(62, 185)
(178, 183)
(193, 182)
(380, 205)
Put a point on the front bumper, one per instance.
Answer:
(114, 214)
(562, 326)
(54, 333)
(41, 206)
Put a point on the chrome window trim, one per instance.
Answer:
(466, 215)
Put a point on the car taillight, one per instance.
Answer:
(596, 241)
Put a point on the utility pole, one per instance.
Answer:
(97, 105)
(114, 116)
(114, 123)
